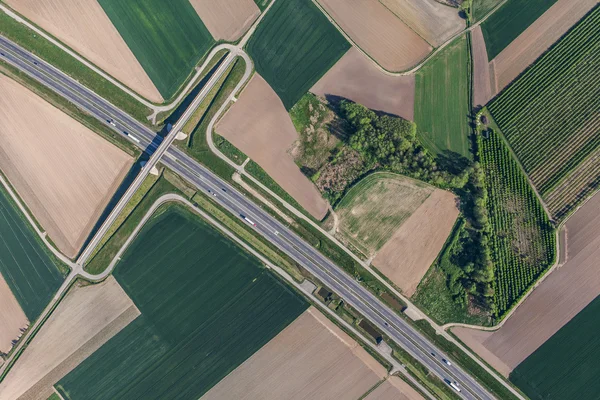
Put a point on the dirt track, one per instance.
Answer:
(405, 258)
(482, 83)
(356, 78)
(537, 38)
(65, 173)
(432, 20)
(378, 32)
(12, 317)
(83, 26)
(310, 359)
(267, 139)
(86, 318)
(226, 19)
(394, 388)
(551, 305)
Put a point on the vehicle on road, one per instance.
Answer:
(247, 220)
(111, 122)
(448, 363)
(454, 386)
(223, 189)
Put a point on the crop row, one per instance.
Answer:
(522, 241)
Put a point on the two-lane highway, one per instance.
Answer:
(395, 327)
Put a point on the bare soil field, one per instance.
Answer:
(563, 294)
(432, 20)
(65, 173)
(355, 77)
(537, 38)
(12, 317)
(226, 19)
(405, 258)
(483, 91)
(85, 319)
(83, 26)
(266, 140)
(378, 32)
(310, 359)
(394, 388)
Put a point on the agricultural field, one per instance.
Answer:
(12, 316)
(226, 19)
(205, 307)
(266, 140)
(373, 209)
(85, 28)
(509, 21)
(484, 84)
(30, 273)
(419, 241)
(379, 33)
(553, 127)
(394, 388)
(537, 38)
(86, 318)
(65, 173)
(521, 238)
(480, 8)
(167, 41)
(560, 297)
(292, 69)
(566, 366)
(442, 102)
(433, 21)
(311, 358)
(356, 78)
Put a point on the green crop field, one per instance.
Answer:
(168, 39)
(29, 272)
(482, 7)
(521, 238)
(294, 46)
(566, 365)
(551, 115)
(442, 101)
(509, 21)
(376, 207)
(206, 307)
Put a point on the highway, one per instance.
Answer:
(395, 327)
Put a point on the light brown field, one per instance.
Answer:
(537, 38)
(12, 317)
(355, 77)
(378, 32)
(567, 291)
(85, 319)
(483, 91)
(259, 125)
(405, 258)
(84, 27)
(226, 19)
(65, 173)
(432, 20)
(394, 388)
(310, 359)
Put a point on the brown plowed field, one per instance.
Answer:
(567, 291)
(355, 77)
(12, 317)
(405, 258)
(432, 20)
(378, 32)
(65, 173)
(310, 359)
(83, 26)
(537, 38)
(259, 125)
(84, 320)
(483, 91)
(226, 19)
(394, 388)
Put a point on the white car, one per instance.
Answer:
(448, 363)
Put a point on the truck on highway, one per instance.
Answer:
(453, 385)
(247, 220)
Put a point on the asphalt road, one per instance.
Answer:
(333, 276)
